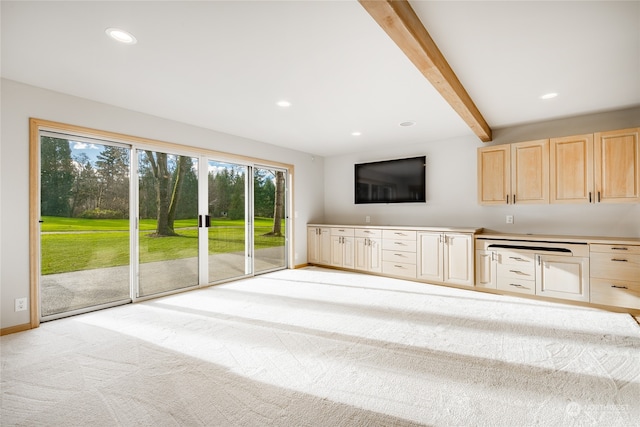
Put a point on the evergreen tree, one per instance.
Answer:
(56, 176)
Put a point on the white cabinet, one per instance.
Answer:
(561, 276)
(399, 253)
(445, 257)
(342, 247)
(368, 250)
(319, 245)
(486, 267)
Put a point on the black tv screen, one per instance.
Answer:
(391, 181)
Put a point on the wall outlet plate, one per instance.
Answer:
(367, 219)
(21, 304)
(509, 219)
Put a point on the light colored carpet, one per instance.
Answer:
(315, 347)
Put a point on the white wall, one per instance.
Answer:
(20, 102)
(452, 187)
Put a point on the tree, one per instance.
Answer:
(56, 176)
(112, 170)
(168, 185)
(278, 206)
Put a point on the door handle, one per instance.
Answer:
(207, 221)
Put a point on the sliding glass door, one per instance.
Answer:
(168, 222)
(120, 222)
(84, 224)
(269, 219)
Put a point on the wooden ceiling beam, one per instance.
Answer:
(401, 23)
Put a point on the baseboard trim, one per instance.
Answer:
(295, 267)
(14, 329)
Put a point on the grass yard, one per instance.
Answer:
(72, 244)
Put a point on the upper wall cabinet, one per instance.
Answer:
(596, 168)
(514, 173)
(617, 166)
(571, 161)
(494, 174)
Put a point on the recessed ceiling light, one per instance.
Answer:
(121, 35)
(356, 133)
(549, 95)
(408, 123)
(283, 104)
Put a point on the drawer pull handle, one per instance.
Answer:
(516, 285)
(398, 266)
(619, 260)
(619, 287)
(398, 243)
(517, 258)
(619, 249)
(518, 272)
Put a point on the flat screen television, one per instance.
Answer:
(391, 181)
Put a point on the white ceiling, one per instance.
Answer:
(223, 65)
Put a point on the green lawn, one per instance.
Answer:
(79, 244)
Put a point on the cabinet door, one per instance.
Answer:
(494, 172)
(530, 172)
(348, 253)
(375, 253)
(571, 169)
(617, 166)
(458, 259)
(324, 251)
(563, 277)
(361, 256)
(485, 269)
(313, 245)
(430, 256)
(337, 257)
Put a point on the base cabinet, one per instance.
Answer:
(565, 277)
(368, 250)
(486, 269)
(615, 275)
(342, 247)
(446, 257)
(319, 245)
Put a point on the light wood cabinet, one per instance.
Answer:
(571, 169)
(596, 168)
(617, 166)
(514, 173)
(446, 257)
(319, 245)
(368, 250)
(494, 174)
(615, 275)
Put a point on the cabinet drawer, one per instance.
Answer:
(615, 266)
(516, 258)
(342, 232)
(397, 256)
(399, 269)
(365, 232)
(399, 234)
(399, 245)
(615, 249)
(516, 285)
(616, 293)
(524, 272)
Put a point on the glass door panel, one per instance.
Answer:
(85, 227)
(227, 236)
(168, 222)
(269, 219)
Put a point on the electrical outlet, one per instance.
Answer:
(509, 219)
(367, 219)
(21, 304)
